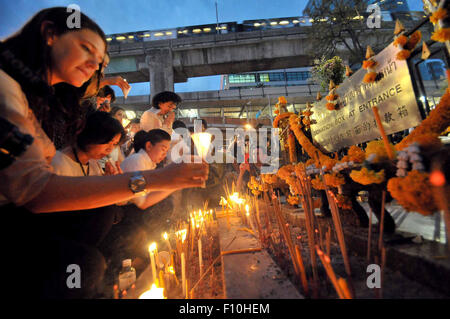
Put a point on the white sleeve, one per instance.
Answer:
(149, 121)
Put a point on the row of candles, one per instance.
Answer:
(199, 223)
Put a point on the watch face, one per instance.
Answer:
(137, 184)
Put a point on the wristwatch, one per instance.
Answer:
(138, 184)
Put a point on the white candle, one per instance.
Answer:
(152, 249)
(200, 257)
(183, 274)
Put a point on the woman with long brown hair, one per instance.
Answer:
(45, 69)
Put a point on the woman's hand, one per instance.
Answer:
(117, 80)
(169, 119)
(177, 176)
(111, 169)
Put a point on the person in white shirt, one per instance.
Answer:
(150, 149)
(162, 114)
(99, 137)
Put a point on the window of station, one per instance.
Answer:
(276, 76)
(298, 76)
(263, 77)
(241, 78)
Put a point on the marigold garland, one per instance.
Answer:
(331, 106)
(439, 14)
(441, 35)
(435, 123)
(285, 173)
(331, 97)
(355, 154)
(370, 77)
(403, 55)
(269, 178)
(378, 148)
(282, 100)
(413, 192)
(281, 117)
(369, 64)
(413, 40)
(366, 176)
(334, 179)
(293, 200)
(400, 40)
(317, 183)
(312, 151)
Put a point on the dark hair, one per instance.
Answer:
(105, 91)
(153, 136)
(100, 128)
(26, 57)
(176, 124)
(135, 121)
(166, 96)
(115, 109)
(204, 123)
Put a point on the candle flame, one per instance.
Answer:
(202, 141)
(235, 198)
(223, 201)
(153, 293)
(152, 247)
(247, 208)
(165, 236)
(182, 234)
(171, 270)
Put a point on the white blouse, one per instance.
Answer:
(151, 119)
(63, 165)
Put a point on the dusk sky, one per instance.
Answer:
(116, 16)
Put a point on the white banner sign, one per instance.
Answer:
(354, 122)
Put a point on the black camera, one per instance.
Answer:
(13, 143)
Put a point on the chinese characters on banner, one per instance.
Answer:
(354, 122)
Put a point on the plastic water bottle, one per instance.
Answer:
(127, 276)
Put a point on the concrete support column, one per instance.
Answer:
(161, 70)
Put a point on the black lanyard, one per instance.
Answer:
(81, 165)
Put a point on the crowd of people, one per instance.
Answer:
(60, 197)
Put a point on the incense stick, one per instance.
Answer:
(369, 239)
(380, 239)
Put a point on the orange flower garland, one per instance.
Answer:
(441, 35)
(439, 14)
(400, 40)
(291, 145)
(355, 154)
(293, 200)
(366, 177)
(413, 40)
(281, 117)
(436, 122)
(334, 179)
(370, 77)
(343, 202)
(413, 192)
(312, 151)
(269, 178)
(378, 148)
(371, 74)
(285, 173)
(317, 183)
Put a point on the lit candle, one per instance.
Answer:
(166, 238)
(152, 250)
(200, 257)
(202, 142)
(153, 293)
